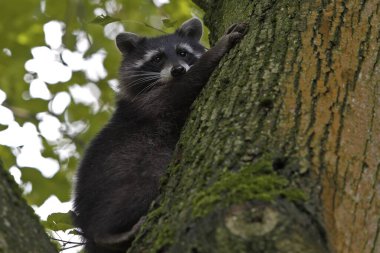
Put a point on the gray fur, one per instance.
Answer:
(119, 175)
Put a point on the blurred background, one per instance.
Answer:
(58, 76)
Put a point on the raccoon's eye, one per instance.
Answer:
(182, 53)
(157, 59)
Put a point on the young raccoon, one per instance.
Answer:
(118, 177)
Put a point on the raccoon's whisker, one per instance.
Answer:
(146, 88)
(142, 83)
(138, 75)
(142, 80)
(143, 71)
(143, 74)
(147, 71)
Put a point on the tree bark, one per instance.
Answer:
(20, 230)
(282, 150)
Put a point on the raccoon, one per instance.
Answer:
(118, 177)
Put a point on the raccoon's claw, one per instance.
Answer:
(238, 28)
(236, 32)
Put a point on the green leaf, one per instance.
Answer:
(74, 232)
(6, 157)
(59, 221)
(104, 20)
(168, 23)
(43, 187)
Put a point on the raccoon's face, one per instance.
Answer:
(150, 62)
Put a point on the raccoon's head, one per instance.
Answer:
(150, 62)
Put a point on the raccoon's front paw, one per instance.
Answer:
(236, 32)
(233, 35)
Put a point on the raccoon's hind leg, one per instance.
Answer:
(119, 241)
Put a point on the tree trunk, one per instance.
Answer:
(282, 150)
(20, 230)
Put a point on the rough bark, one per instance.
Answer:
(20, 230)
(281, 151)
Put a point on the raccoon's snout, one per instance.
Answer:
(178, 71)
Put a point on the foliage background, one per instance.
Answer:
(88, 29)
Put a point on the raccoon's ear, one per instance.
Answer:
(192, 28)
(126, 42)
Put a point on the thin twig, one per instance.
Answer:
(67, 242)
(71, 247)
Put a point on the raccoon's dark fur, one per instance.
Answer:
(118, 177)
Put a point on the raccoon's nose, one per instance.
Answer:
(178, 71)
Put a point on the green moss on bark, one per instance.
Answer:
(257, 181)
